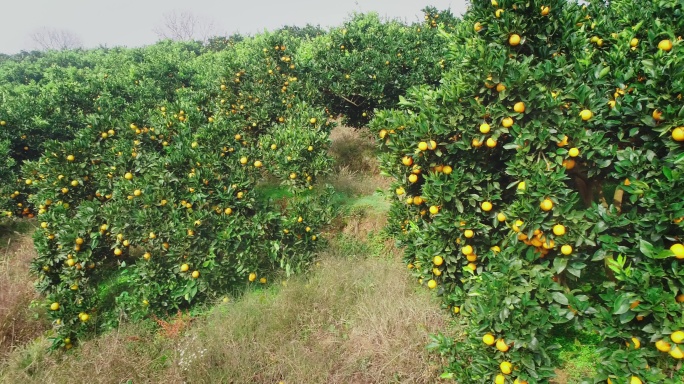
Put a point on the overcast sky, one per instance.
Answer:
(132, 22)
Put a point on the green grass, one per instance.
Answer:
(577, 356)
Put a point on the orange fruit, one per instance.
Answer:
(546, 205)
(519, 107)
(501, 345)
(488, 339)
(486, 206)
(678, 134)
(559, 230)
(665, 45)
(663, 346)
(586, 114)
(514, 40)
(677, 337)
(678, 250)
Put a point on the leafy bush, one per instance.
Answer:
(502, 180)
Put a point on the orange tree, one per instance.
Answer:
(147, 211)
(533, 187)
(50, 96)
(7, 179)
(368, 63)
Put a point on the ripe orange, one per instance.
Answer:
(501, 345)
(573, 152)
(545, 10)
(546, 205)
(663, 346)
(677, 337)
(484, 128)
(500, 87)
(184, 268)
(423, 146)
(438, 260)
(678, 250)
(468, 233)
(467, 250)
(657, 115)
(559, 230)
(506, 368)
(501, 217)
(665, 45)
(486, 206)
(476, 143)
(507, 122)
(488, 339)
(252, 276)
(635, 380)
(195, 274)
(407, 161)
(678, 134)
(514, 40)
(447, 170)
(54, 307)
(519, 107)
(477, 27)
(491, 143)
(566, 249)
(500, 379)
(432, 284)
(586, 114)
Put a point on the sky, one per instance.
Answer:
(132, 23)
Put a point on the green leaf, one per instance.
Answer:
(559, 298)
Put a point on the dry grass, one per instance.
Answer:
(134, 354)
(356, 166)
(18, 322)
(352, 319)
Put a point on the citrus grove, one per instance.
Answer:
(148, 169)
(537, 187)
(536, 149)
